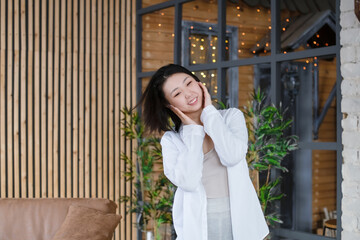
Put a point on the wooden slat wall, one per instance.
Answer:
(66, 70)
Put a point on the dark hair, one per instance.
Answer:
(155, 111)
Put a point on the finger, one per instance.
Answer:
(183, 117)
(207, 97)
(177, 111)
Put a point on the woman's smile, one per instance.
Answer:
(193, 101)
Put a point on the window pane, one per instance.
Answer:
(243, 80)
(209, 79)
(147, 3)
(200, 32)
(305, 26)
(314, 201)
(313, 81)
(324, 188)
(157, 39)
(251, 26)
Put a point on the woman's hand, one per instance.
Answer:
(183, 117)
(206, 96)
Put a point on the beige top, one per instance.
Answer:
(214, 176)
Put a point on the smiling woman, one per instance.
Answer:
(204, 156)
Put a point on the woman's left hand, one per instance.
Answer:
(206, 96)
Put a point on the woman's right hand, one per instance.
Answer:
(183, 117)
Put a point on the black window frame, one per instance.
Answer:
(274, 59)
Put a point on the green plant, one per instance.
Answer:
(268, 146)
(153, 193)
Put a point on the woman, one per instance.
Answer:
(204, 156)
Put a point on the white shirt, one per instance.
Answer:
(183, 165)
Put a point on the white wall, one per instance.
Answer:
(350, 105)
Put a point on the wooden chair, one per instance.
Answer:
(329, 224)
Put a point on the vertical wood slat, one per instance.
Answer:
(62, 82)
(30, 130)
(3, 158)
(128, 99)
(23, 106)
(56, 87)
(81, 99)
(100, 99)
(69, 106)
(43, 99)
(122, 210)
(105, 100)
(50, 100)
(93, 99)
(87, 98)
(117, 104)
(16, 69)
(133, 86)
(110, 96)
(75, 102)
(65, 74)
(36, 92)
(10, 81)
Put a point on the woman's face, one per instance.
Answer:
(183, 91)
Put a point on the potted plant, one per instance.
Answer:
(269, 144)
(153, 194)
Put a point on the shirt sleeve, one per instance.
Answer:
(183, 163)
(229, 135)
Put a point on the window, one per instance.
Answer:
(290, 50)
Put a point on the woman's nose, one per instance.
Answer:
(187, 94)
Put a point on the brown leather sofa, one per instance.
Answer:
(49, 219)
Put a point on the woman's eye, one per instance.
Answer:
(189, 83)
(176, 94)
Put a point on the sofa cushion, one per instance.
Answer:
(39, 219)
(86, 223)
